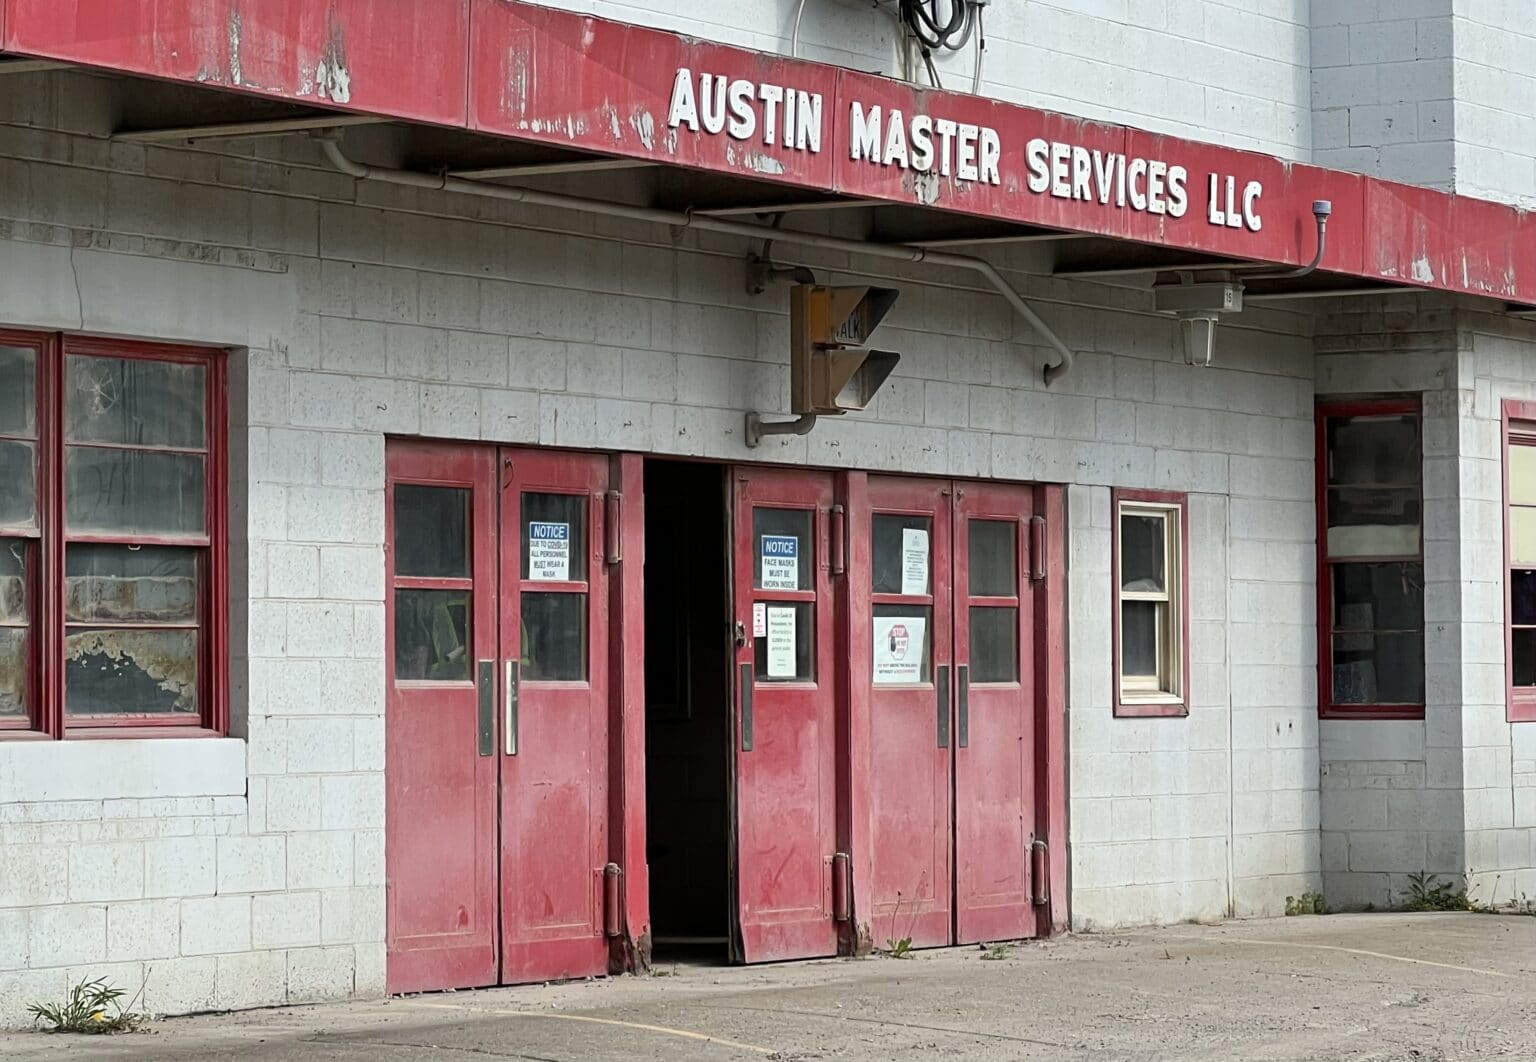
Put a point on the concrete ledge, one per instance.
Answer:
(113, 770)
(1371, 739)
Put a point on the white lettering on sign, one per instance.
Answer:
(549, 552)
(969, 152)
(1068, 171)
(712, 103)
(781, 563)
(785, 118)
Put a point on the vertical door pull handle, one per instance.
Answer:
(963, 694)
(510, 692)
(746, 707)
(941, 685)
(486, 690)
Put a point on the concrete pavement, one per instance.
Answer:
(1384, 988)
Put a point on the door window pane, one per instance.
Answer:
(902, 549)
(130, 672)
(18, 393)
(127, 584)
(994, 644)
(1142, 554)
(139, 492)
(555, 538)
(994, 558)
(554, 639)
(18, 485)
(1378, 668)
(781, 549)
(432, 635)
(13, 582)
(1139, 622)
(134, 402)
(1373, 522)
(903, 644)
(432, 532)
(784, 653)
(1377, 450)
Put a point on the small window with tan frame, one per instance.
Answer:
(1151, 603)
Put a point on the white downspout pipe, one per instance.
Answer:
(687, 220)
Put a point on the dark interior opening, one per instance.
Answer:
(687, 710)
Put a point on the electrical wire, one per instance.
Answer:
(794, 41)
(981, 49)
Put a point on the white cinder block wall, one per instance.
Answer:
(249, 870)
(1235, 74)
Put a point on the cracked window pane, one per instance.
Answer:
(13, 628)
(133, 492)
(130, 672)
(127, 584)
(134, 402)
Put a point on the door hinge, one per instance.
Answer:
(842, 900)
(1040, 872)
(1037, 548)
(837, 529)
(613, 910)
(613, 527)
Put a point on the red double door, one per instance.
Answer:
(941, 577)
(497, 760)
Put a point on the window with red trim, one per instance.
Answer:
(1151, 603)
(1520, 558)
(1370, 504)
(112, 552)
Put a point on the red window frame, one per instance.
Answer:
(1327, 411)
(1135, 708)
(47, 718)
(1520, 702)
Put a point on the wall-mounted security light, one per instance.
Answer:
(1198, 331)
(1198, 308)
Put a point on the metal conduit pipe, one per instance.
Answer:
(674, 219)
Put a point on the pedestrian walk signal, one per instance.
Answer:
(832, 371)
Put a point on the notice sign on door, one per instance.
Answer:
(901, 646)
(781, 642)
(781, 562)
(914, 560)
(549, 553)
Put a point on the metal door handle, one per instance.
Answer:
(941, 684)
(509, 691)
(963, 681)
(746, 707)
(487, 716)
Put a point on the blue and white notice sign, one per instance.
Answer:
(781, 562)
(549, 552)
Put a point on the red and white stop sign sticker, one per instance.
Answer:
(900, 639)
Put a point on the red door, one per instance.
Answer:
(994, 714)
(910, 730)
(951, 708)
(784, 791)
(554, 768)
(441, 762)
(496, 740)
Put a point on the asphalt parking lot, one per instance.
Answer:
(1383, 987)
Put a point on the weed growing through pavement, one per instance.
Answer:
(90, 1007)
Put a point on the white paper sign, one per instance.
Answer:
(549, 553)
(914, 560)
(901, 646)
(781, 562)
(759, 620)
(781, 642)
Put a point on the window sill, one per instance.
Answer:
(1520, 708)
(1388, 712)
(1150, 709)
(112, 733)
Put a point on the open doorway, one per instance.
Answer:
(687, 710)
